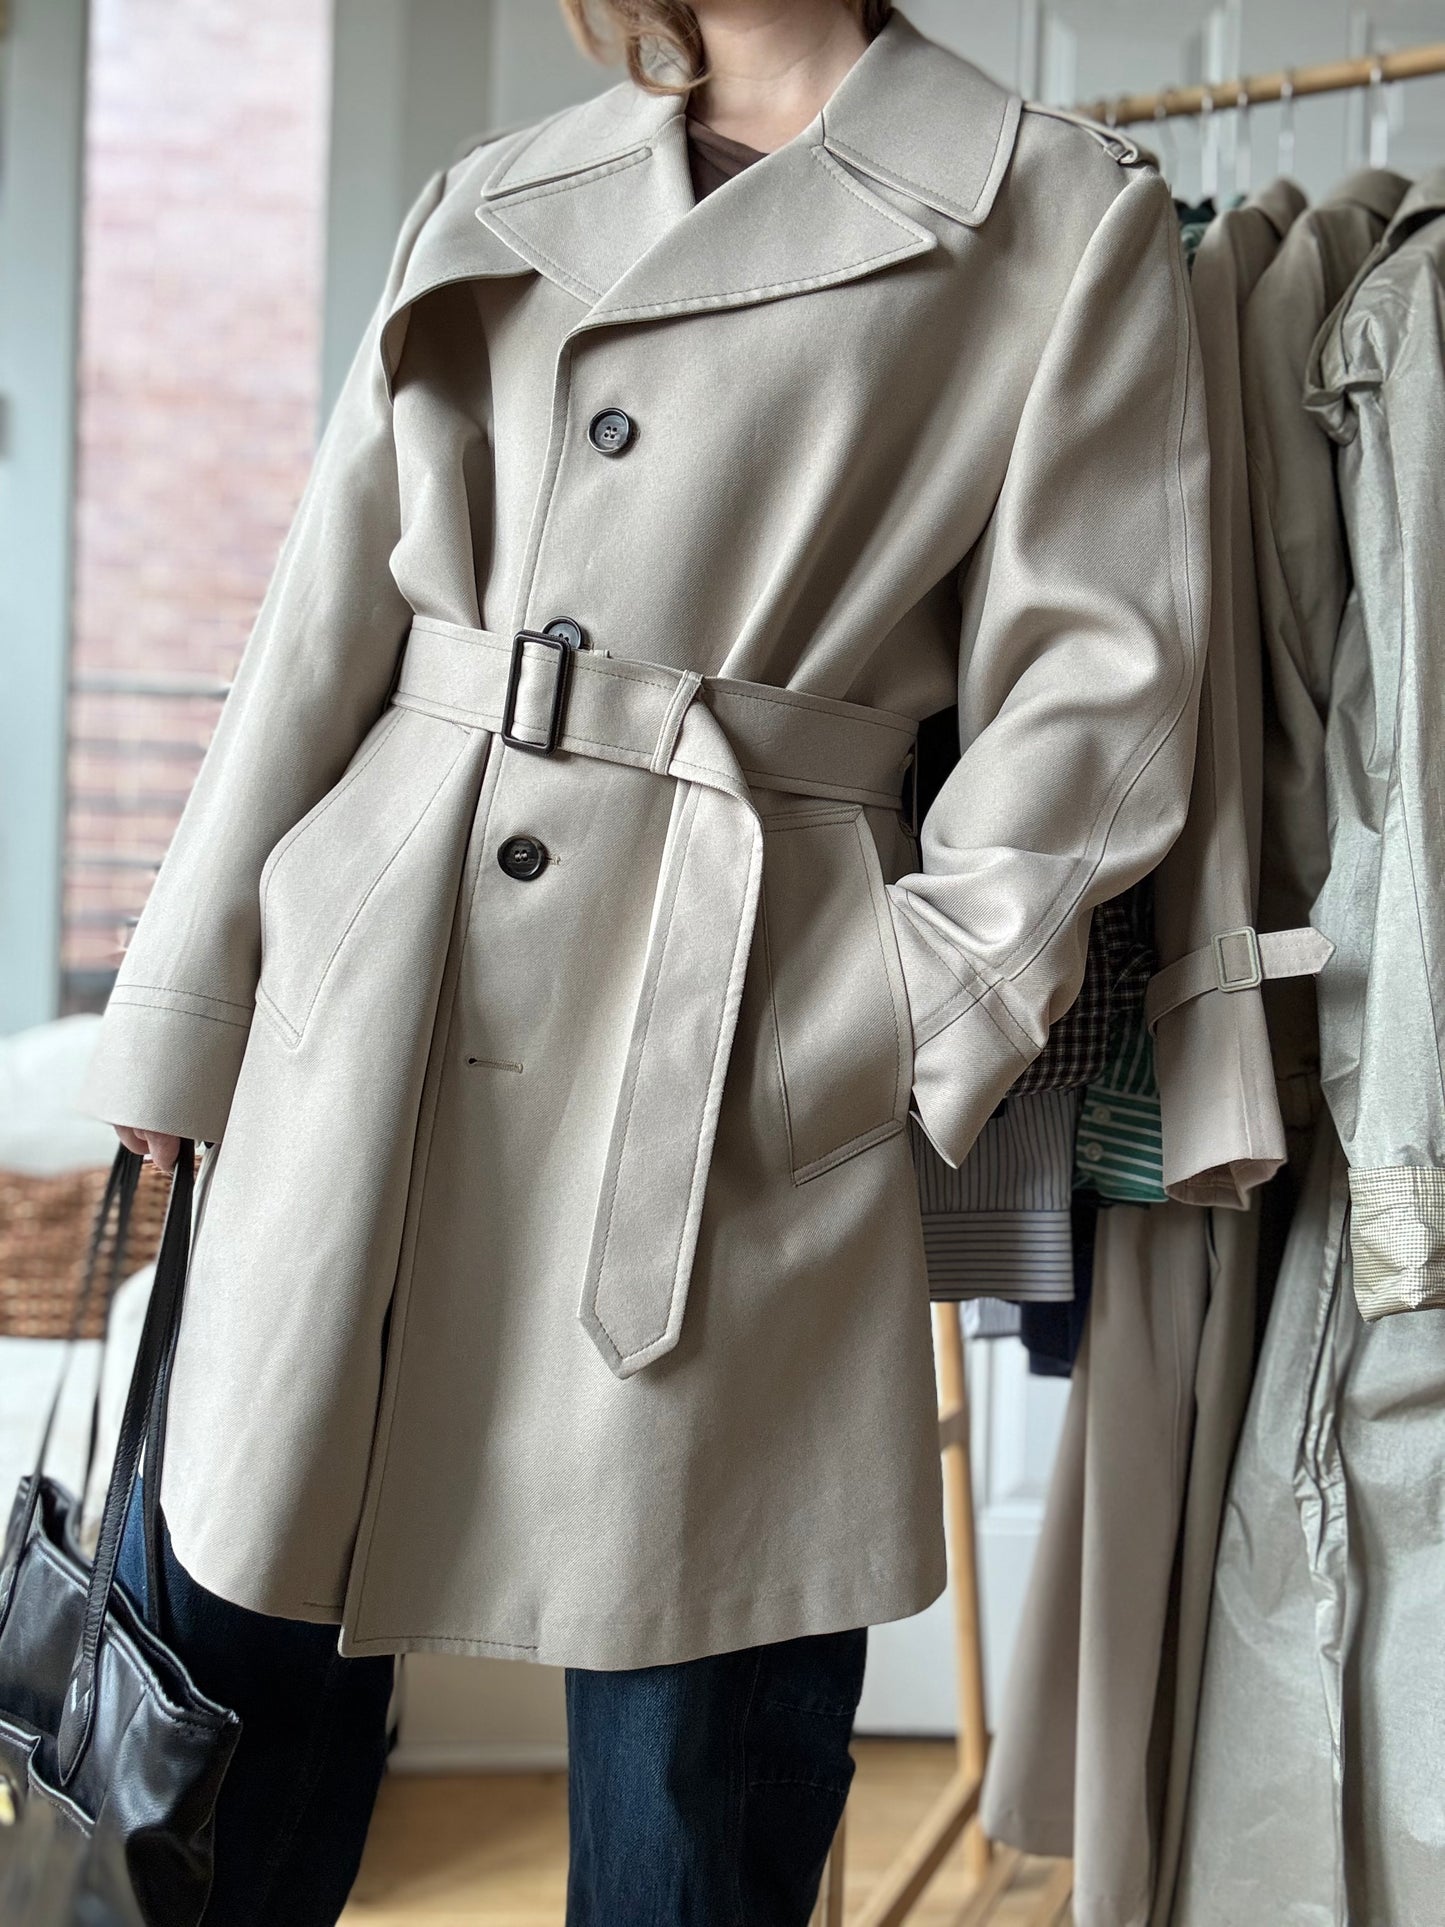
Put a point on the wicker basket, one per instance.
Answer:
(45, 1230)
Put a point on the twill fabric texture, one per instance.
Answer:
(558, 1287)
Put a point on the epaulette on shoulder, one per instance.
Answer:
(1127, 152)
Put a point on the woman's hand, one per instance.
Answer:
(159, 1146)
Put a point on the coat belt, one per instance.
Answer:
(715, 738)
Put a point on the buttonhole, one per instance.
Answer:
(493, 1064)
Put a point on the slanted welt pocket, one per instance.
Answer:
(845, 1044)
(316, 881)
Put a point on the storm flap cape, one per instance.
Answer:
(569, 1003)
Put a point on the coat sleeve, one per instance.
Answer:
(312, 678)
(1085, 607)
(1382, 1044)
(1219, 1113)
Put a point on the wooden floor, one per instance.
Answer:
(491, 1850)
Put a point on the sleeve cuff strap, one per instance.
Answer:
(1236, 960)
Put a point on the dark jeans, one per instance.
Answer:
(699, 1795)
(707, 1794)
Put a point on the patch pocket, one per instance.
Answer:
(316, 881)
(840, 1008)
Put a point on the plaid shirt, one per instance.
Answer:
(1119, 964)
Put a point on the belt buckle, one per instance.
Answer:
(559, 692)
(1254, 972)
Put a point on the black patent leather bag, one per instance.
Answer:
(111, 1759)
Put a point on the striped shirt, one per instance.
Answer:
(999, 1225)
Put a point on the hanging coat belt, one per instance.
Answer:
(714, 738)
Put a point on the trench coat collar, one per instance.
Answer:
(1326, 382)
(1375, 189)
(599, 198)
(1281, 203)
(1421, 204)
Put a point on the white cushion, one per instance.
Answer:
(41, 1131)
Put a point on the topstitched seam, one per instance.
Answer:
(298, 1027)
(311, 818)
(929, 196)
(175, 990)
(118, 996)
(646, 1021)
(540, 191)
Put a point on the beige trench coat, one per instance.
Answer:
(558, 1288)
(1219, 1114)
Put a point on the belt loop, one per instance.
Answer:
(683, 697)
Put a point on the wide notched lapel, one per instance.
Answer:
(450, 247)
(599, 198)
(574, 165)
(594, 190)
(626, 237)
(790, 223)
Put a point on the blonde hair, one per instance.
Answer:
(661, 41)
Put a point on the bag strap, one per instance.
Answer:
(122, 1242)
(150, 1505)
(117, 1197)
(155, 1437)
(143, 1399)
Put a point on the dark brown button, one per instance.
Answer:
(611, 431)
(564, 629)
(523, 857)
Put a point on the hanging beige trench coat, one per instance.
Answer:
(1303, 574)
(558, 1289)
(1091, 1750)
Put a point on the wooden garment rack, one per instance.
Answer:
(1291, 83)
(954, 1813)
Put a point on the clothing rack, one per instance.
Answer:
(1290, 84)
(954, 1812)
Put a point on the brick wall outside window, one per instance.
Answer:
(203, 244)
